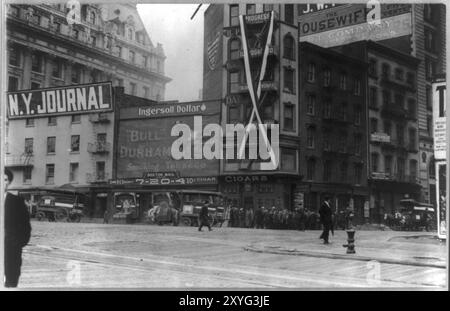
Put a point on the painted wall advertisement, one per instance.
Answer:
(144, 140)
(339, 25)
(440, 153)
(76, 99)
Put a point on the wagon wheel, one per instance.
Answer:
(186, 221)
(40, 216)
(61, 215)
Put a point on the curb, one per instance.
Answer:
(294, 252)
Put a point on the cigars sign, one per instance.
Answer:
(75, 99)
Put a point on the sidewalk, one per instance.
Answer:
(394, 247)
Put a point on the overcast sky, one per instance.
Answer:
(182, 39)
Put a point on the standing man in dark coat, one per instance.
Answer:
(204, 217)
(17, 233)
(326, 219)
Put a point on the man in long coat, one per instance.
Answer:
(203, 217)
(326, 219)
(17, 233)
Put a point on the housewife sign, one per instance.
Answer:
(75, 99)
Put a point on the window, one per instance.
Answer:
(412, 108)
(73, 172)
(412, 139)
(310, 137)
(343, 81)
(130, 33)
(35, 85)
(288, 47)
(235, 46)
(432, 168)
(428, 12)
(400, 134)
(132, 88)
(327, 169)
(234, 15)
(428, 98)
(386, 70)
(145, 61)
(289, 13)
(386, 98)
(267, 111)
(146, 92)
(343, 112)
(327, 109)
(75, 75)
(357, 114)
(50, 173)
(288, 160)
(101, 138)
(373, 97)
(267, 7)
(374, 162)
(94, 40)
(27, 174)
(311, 104)
(250, 9)
(410, 79)
(430, 40)
(399, 74)
(51, 144)
(119, 50)
(57, 69)
(342, 144)
(100, 170)
(36, 62)
(430, 125)
(388, 127)
(401, 168)
(358, 173)
(311, 73)
(399, 100)
(344, 169)
(326, 77)
(132, 56)
(288, 80)
(234, 82)
(372, 67)
(388, 164)
(159, 66)
(28, 145)
(75, 33)
(413, 170)
(356, 86)
(327, 141)
(358, 144)
(373, 125)
(233, 114)
(310, 169)
(29, 122)
(288, 117)
(14, 56)
(92, 18)
(52, 120)
(76, 118)
(13, 83)
(75, 143)
(430, 68)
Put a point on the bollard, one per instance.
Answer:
(351, 241)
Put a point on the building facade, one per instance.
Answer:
(224, 78)
(108, 43)
(333, 129)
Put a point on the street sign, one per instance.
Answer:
(164, 181)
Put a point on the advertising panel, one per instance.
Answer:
(75, 99)
(441, 200)
(144, 141)
(355, 22)
(439, 117)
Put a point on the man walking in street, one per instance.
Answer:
(326, 219)
(17, 232)
(204, 217)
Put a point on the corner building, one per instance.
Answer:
(224, 78)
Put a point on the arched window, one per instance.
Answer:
(235, 47)
(289, 47)
(130, 33)
(92, 18)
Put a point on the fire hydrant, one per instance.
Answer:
(351, 241)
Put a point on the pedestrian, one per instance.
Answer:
(259, 217)
(105, 216)
(17, 232)
(203, 217)
(326, 219)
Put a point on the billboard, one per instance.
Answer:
(441, 200)
(75, 99)
(144, 141)
(439, 117)
(349, 23)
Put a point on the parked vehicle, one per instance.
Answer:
(59, 207)
(164, 208)
(126, 207)
(192, 202)
(415, 216)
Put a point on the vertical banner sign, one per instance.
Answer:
(257, 33)
(440, 154)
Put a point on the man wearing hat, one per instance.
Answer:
(17, 232)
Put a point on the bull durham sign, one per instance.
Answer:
(75, 99)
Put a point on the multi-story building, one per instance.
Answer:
(392, 121)
(333, 145)
(45, 49)
(224, 78)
